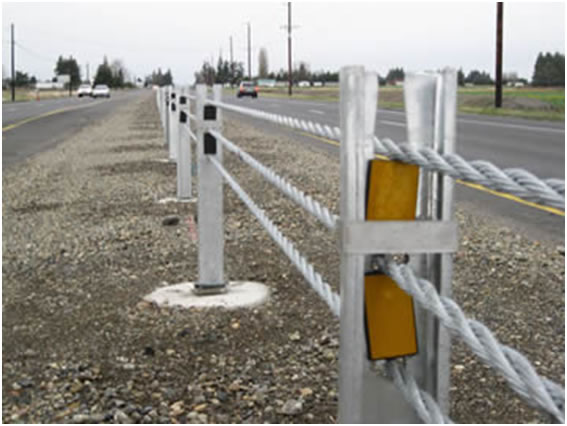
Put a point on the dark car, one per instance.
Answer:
(247, 88)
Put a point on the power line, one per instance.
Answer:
(31, 52)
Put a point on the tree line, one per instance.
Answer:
(549, 70)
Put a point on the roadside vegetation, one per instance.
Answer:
(543, 103)
(29, 94)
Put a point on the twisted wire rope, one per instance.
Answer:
(423, 404)
(512, 365)
(303, 200)
(515, 181)
(322, 288)
(187, 129)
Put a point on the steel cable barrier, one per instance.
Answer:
(365, 242)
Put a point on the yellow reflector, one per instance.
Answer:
(390, 321)
(392, 190)
(389, 315)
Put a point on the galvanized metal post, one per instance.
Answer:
(210, 207)
(364, 396)
(443, 263)
(184, 158)
(430, 101)
(173, 125)
(166, 115)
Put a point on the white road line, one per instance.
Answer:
(393, 123)
(316, 111)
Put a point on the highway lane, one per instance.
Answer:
(35, 126)
(536, 146)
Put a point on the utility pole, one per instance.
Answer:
(499, 26)
(289, 27)
(289, 46)
(13, 68)
(88, 74)
(231, 68)
(231, 57)
(249, 54)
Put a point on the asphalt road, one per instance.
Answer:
(35, 126)
(32, 127)
(536, 146)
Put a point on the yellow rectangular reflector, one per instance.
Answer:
(389, 315)
(390, 321)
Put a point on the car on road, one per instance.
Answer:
(84, 90)
(247, 88)
(101, 91)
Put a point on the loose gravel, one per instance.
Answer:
(84, 240)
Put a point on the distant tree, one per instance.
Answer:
(395, 74)
(22, 79)
(119, 73)
(263, 63)
(222, 74)
(549, 70)
(301, 73)
(69, 67)
(479, 78)
(104, 74)
(158, 78)
(167, 78)
(460, 77)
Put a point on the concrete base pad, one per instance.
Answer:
(163, 160)
(175, 200)
(239, 294)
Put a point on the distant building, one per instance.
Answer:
(49, 85)
(266, 82)
(303, 83)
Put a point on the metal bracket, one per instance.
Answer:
(182, 100)
(209, 289)
(210, 112)
(210, 145)
(399, 237)
(182, 117)
(173, 108)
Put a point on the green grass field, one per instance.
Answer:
(30, 94)
(526, 102)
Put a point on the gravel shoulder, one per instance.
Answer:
(83, 243)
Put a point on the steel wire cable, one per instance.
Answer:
(515, 368)
(512, 365)
(515, 181)
(322, 288)
(189, 132)
(422, 402)
(303, 200)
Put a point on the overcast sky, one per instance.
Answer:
(180, 36)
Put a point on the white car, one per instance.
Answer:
(101, 91)
(84, 90)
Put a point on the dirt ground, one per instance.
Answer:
(84, 242)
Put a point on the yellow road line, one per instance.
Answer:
(552, 210)
(47, 114)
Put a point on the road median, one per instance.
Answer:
(84, 240)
